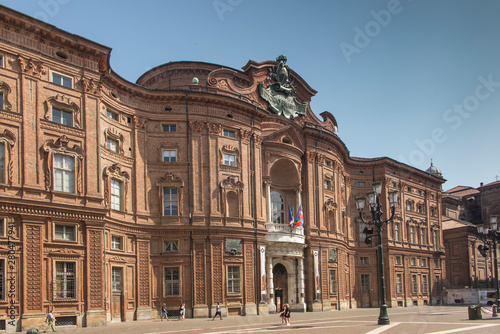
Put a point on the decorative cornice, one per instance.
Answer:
(44, 211)
(231, 184)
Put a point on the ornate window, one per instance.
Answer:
(413, 261)
(114, 140)
(420, 208)
(328, 184)
(277, 208)
(333, 281)
(116, 242)
(398, 260)
(64, 173)
(425, 284)
(65, 280)
(4, 96)
(399, 283)
(230, 156)
(172, 282)
(115, 187)
(435, 239)
(65, 232)
(413, 239)
(62, 80)
(409, 205)
(423, 235)
(233, 280)
(171, 194)
(112, 114)
(62, 110)
(397, 231)
(414, 284)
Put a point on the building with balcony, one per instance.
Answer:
(117, 197)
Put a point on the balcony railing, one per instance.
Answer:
(284, 228)
(284, 233)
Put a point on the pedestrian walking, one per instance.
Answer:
(50, 320)
(217, 312)
(287, 314)
(182, 311)
(282, 315)
(164, 313)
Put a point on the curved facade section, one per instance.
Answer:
(227, 189)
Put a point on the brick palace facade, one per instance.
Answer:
(118, 197)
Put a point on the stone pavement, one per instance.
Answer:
(425, 319)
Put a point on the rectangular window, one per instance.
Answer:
(62, 80)
(423, 262)
(328, 163)
(233, 279)
(362, 235)
(413, 261)
(399, 283)
(65, 232)
(365, 282)
(414, 284)
(409, 189)
(397, 231)
(425, 288)
(1, 100)
(438, 285)
(62, 117)
(171, 246)
(65, 280)
(116, 195)
(2, 163)
(170, 201)
(1, 60)
(412, 234)
(435, 239)
(116, 279)
(112, 145)
(169, 155)
(64, 173)
(333, 281)
(172, 282)
(229, 133)
(361, 184)
(3, 222)
(423, 236)
(328, 184)
(229, 159)
(168, 128)
(398, 260)
(420, 192)
(111, 114)
(363, 260)
(394, 184)
(116, 242)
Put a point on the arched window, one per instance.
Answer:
(278, 208)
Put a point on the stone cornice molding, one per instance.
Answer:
(44, 211)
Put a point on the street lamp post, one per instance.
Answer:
(483, 231)
(376, 210)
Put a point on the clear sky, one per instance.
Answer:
(411, 80)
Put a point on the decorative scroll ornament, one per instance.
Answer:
(9, 140)
(31, 67)
(279, 94)
(330, 205)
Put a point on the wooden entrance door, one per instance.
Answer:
(280, 280)
(116, 294)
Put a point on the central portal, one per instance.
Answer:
(280, 281)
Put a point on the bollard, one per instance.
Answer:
(494, 310)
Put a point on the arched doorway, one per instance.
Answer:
(280, 280)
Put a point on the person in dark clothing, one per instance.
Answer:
(217, 312)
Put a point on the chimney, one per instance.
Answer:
(481, 184)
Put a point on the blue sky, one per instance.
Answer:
(411, 80)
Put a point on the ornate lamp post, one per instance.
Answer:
(483, 231)
(376, 210)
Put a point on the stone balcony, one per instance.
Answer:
(283, 233)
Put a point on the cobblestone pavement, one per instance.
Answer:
(426, 319)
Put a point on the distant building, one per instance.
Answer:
(118, 197)
(469, 271)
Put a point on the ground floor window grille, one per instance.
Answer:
(66, 321)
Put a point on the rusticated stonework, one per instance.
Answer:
(199, 274)
(143, 268)
(217, 282)
(249, 273)
(95, 269)
(34, 267)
